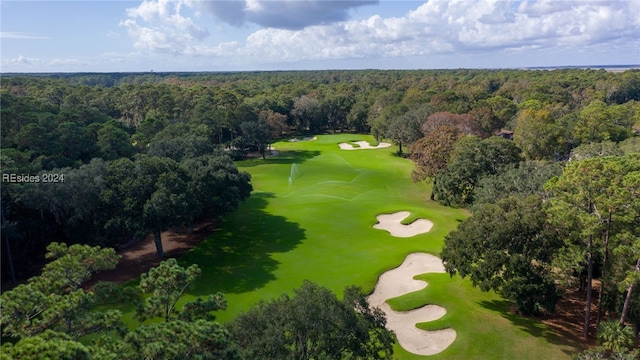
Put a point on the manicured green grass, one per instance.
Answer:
(310, 217)
(485, 327)
(318, 226)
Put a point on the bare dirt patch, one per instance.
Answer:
(568, 320)
(139, 258)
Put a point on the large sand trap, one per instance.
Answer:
(399, 281)
(392, 223)
(362, 145)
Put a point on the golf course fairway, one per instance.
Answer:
(311, 216)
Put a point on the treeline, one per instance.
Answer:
(61, 124)
(541, 227)
(570, 107)
(111, 203)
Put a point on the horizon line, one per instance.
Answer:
(549, 67)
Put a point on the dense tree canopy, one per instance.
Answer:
(177, 340)
(507, 247)
(216, 184)
(147, 195)
(313, 324)
(48, 315)
(55, 301)
(593, 200)
(47, 345)
(470, 159)
(523, 179)
(431, 153)
(538, 135)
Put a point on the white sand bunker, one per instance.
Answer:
(392, 223)
(362, 145)
(399, 281)
(303, 139)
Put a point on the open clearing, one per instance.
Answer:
(311, 217)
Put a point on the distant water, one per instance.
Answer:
(611, 68)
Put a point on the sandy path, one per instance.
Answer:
(393, 224)
(362, 145)
(399, 281)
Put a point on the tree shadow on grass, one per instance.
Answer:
(397, 155)
(236, 258)
(284, 157)
(569, 342)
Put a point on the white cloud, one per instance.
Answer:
(433, 28)
(441, 26)
(105, 62)
(21, 35)
(68, 62)
(163, 27)
(29, 61)
(23, 60)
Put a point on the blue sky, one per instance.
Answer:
(232, 35)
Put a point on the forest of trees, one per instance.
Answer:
(554, 199)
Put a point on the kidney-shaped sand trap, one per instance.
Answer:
(400, 281)
(362, 145)
(393, 224)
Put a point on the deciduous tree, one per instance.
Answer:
(507, 247)
(464, 122)
(405, 129)
(276, 122)
(74, 141)
(598, 122)
(313, 324)
(523, 179)
(217, 185)
(180, 141)
(470, 159)
(147, 195)
(114, 143)
(595, 149)
(256, 134)
(538, 135)
(431, 153)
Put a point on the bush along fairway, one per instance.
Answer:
(311, 217)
